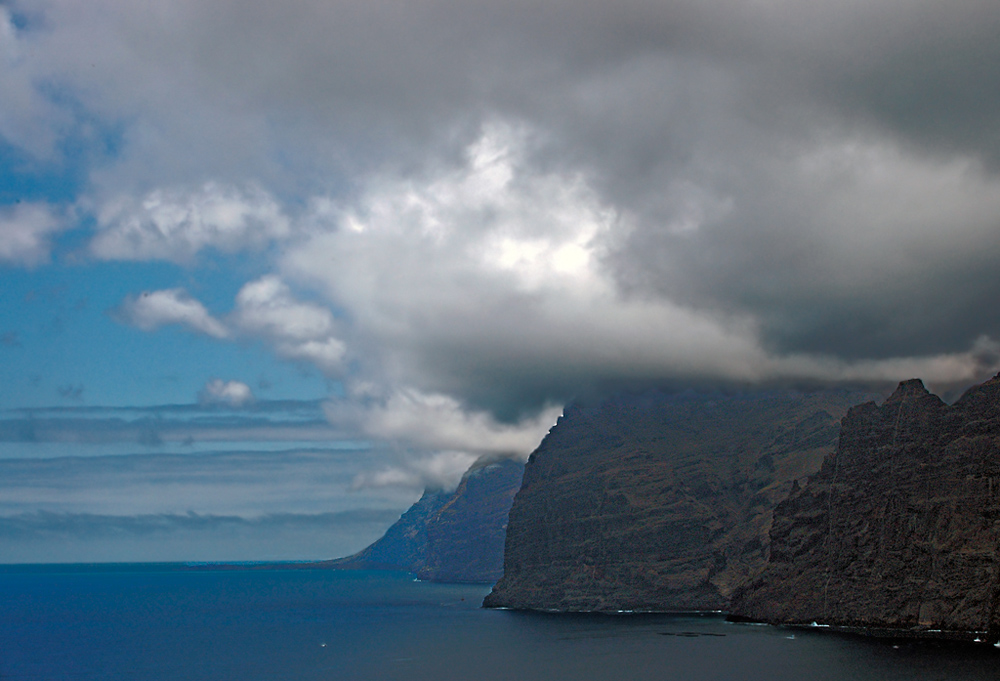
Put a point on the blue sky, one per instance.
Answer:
(59, 333)
(437, 222)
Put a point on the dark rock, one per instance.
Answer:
(901, 526)
(465, 537)
(450, 536)
(659, 502)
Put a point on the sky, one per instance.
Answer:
(267, 270)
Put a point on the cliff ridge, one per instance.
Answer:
(900, 528)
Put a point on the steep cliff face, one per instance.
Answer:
(659, 502)
(465, 537)
(450, 536)
(900, 528)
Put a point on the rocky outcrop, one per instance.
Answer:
(453, 536)
(900, 528)
(659, 502)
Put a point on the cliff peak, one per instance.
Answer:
(911, 388)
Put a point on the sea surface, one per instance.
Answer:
(186, 623)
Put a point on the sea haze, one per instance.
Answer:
(271, 480)
(170, 621)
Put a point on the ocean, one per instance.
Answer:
(150, 622)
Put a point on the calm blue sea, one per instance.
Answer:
(160, 622)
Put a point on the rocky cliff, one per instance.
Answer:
(450, 536)
(900, 528)
(659, 502)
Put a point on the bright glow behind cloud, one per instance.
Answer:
(473, 278)
(492, 277)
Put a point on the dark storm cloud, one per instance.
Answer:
(835, 161)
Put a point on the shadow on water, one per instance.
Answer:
(165, 623)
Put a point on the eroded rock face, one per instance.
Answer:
(453, 536)
(659, 502)
(900, 528)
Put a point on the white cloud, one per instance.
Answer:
(440, 422)
(177, 224)
(663, 192)
(297, 330)
(26, 230)
(153, 309)
(233, 393)
(442, 470)
(439, 438)
(265, 309)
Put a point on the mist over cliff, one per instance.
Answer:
(450, 536)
